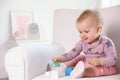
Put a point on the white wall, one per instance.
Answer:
(43, 11)
(108, 3)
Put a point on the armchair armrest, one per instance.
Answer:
(24, 62)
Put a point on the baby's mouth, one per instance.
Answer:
(85, 39)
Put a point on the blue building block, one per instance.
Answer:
(68, 71)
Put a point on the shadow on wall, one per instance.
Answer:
(113, 32)
(111, 26)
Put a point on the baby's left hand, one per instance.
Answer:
(97, 61)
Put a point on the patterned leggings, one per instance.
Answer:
(102, 70)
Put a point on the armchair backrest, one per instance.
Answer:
(65, 32)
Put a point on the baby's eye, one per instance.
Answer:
(86, 31)
(80, 31)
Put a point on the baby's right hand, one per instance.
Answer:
(54, 59)
(58, 59)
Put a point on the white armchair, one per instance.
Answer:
(24, 62)
(28, 62)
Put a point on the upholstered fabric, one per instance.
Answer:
(115, 77)
(27, 61)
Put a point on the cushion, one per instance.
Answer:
(115, 77)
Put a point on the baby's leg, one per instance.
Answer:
(92, 71)
(105, 71)
(78, 70)
(89, 70)
(112, 70)
(83, 69)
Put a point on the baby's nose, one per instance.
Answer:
(82, 36)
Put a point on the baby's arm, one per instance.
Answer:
(108, 57)
(70, 55)
(74, 52)
(111, 54)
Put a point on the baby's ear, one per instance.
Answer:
(100, 29)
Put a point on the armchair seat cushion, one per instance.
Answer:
(115, 77)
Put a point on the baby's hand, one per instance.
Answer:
(102, 61)
(54, 59)
(94, 61)
(58, 59)
(97, 61)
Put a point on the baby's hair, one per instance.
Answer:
(94, 14)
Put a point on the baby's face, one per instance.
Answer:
(89, 31)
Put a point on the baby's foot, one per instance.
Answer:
(89, 72)
(78, 70)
